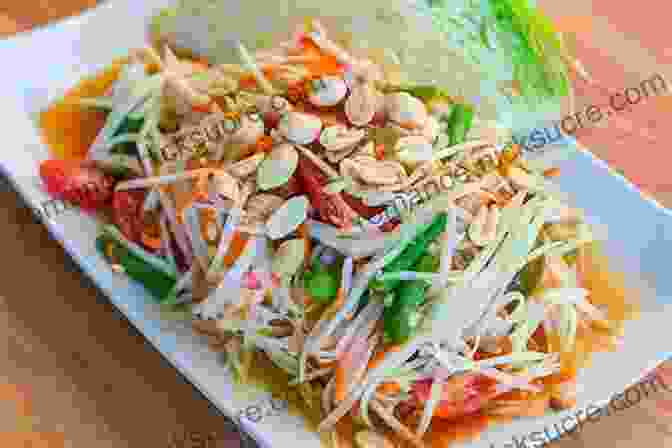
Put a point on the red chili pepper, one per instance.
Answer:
(127, 213)
(331, 207)
(271, 119)
(389, 226)
(361, 208)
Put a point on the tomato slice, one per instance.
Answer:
(127, 212)
(73, 181)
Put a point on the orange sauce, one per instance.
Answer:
(443, 433)
(69, 129)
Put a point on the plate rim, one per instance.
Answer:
(66, 25)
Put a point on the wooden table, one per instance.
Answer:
(75, 373)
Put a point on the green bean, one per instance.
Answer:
(400, 319)
(154, 281)
(411, 254)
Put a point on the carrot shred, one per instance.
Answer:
(302, 233)
(151, 241)
(247, 82)
(389, 388)
(200, 64)
(380, 355)
(324, 64)
(203, 108)
(238, 243)
(296, 92)
(380, 151)
(340, 300)
(407, 125)
(507, 157)
(552, 172)
(340, 391)
(264, 144)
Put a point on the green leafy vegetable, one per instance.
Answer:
(535, 47)
(513, 32)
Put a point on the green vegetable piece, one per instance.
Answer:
(399, 327)
(570, 258)
(428, 263)
(130, 125)
(322, 286)
(535, 48)
(425, 93)
(399, 319)
(411, 254)
(156, 282)
(460, 123)
(530, 276)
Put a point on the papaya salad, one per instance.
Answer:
(374, 243)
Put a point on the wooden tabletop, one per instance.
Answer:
(76, 374)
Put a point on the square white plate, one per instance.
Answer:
(44, 63)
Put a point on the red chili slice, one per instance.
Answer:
(461, 395)
(127, 210)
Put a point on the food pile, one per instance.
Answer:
(373, 240)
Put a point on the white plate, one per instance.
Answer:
(42, 64)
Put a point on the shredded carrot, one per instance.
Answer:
(340, 300)
(200, 196)
(231, 115)
(552, 172)
(507, 157)
(204, 108)
(200, 64)
(296, 92)
(324, 364)
(264, 143)
(407, 125)
(247, 82)
(340, 389)
(324, 64)
(389, 388)
(380, 151)
(302, 232)
(559, 377)
(380, 355)
(151, 241)
(238, 243)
